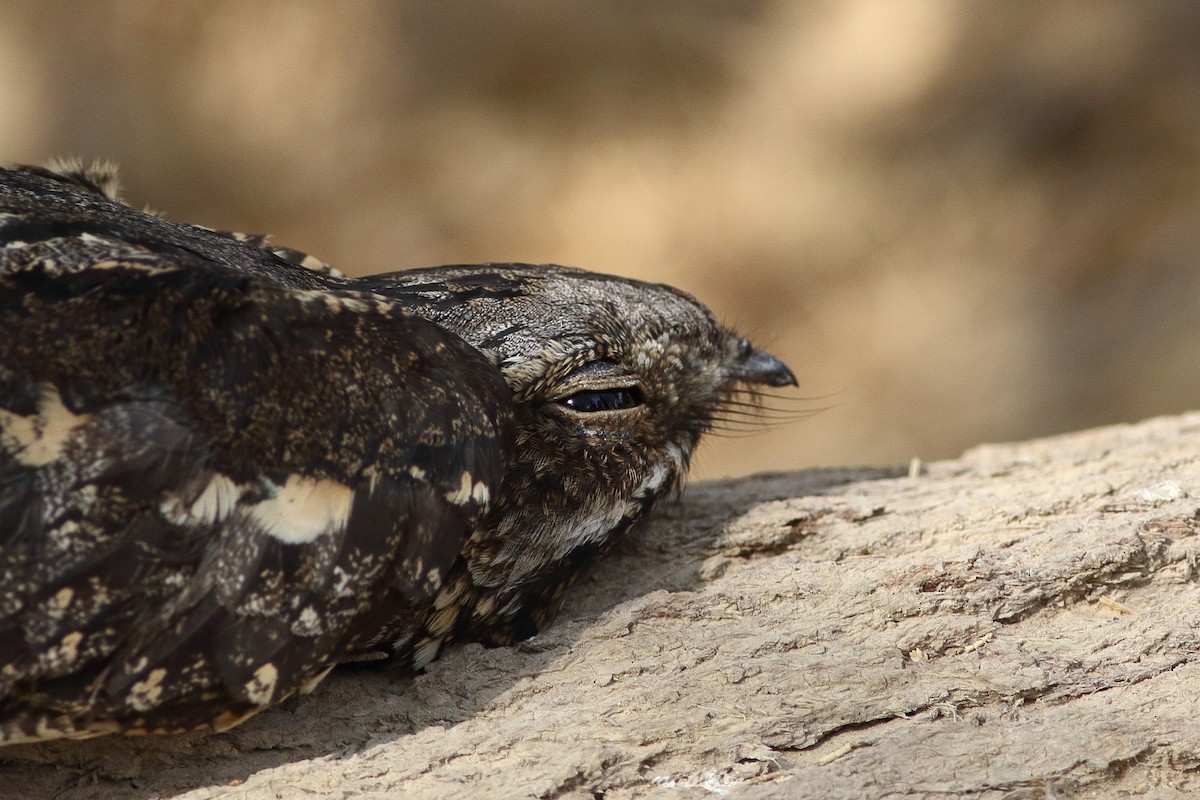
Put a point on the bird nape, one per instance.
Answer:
(226, 468)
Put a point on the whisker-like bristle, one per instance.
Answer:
(744, 415)
(757, 411)
(725, 433)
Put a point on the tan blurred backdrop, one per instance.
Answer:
(958, 221)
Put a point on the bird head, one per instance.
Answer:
(614, 381)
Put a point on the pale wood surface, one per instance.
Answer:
(1019, 623)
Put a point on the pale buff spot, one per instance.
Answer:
(303, 509)
(146, 694)
(312, 683)
(315, 264)
(68, 648)
(42, 731)
(86, 496)
(139, 266)
(108, 263)
(57, 605)
(417, 473)
(62, 656)
(65, 534)
(463, 493)
(373, 477)
(433, 578)
(342, 583)
(39, 439)
(47, 727)
(217, 500)
(261, 688)
(480, 493)
(308, 623)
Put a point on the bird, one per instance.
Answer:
(227, 467)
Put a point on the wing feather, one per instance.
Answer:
(215, 482)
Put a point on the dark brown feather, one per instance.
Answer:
(226, 468)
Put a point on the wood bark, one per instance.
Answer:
(1022, 622)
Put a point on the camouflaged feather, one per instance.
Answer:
(226, 468)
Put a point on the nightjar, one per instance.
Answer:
(226, 468)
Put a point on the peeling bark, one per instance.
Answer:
(1022, 622)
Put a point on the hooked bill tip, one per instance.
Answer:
(760, 367)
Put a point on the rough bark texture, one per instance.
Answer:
(1021, 622)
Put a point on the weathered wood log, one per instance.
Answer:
(1020, 622)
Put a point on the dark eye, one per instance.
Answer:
(603, 400)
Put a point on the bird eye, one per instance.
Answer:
(603, 400)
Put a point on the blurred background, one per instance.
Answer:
(958, 221)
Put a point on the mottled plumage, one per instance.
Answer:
(226, 468)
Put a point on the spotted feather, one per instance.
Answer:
(226, 468)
